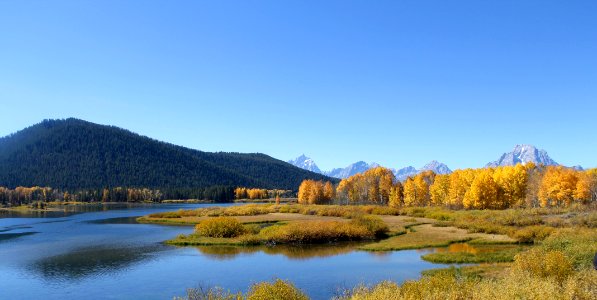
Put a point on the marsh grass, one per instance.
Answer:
(277, 289)
(342, 211)
(315, 232)
(481, 254)
(221, 227)
(420, 236)
(560, 267)
(229, 231)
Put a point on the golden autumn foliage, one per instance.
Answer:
(483, 192)
(374, 185)
(562, 186)
(246, 193)
(440, 190)
(315, 192)
(486, 188)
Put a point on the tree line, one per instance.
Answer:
(526, 185)
(256, 193)
(27, 195)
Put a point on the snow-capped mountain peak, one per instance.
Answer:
(523, 154)
(437, 167)
(306, 163)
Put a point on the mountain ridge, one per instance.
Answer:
(74, 154)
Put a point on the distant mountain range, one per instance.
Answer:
(435, 166)
(352, 169)
(76, 154)
(361, 166)
(520, 154)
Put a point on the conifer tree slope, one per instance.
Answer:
(76, 154)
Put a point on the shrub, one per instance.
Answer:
(252, 228)
(531, 234)
(381, 210)
(279, 290)
(518, 218)
(541, 263)
(373, 224)
(579, 245)
(588, 219)
(214, 293)
(220, 227)
(167, 214)
(315, 232)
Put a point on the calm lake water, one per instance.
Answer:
(102, 254)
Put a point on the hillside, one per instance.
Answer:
(76, 154)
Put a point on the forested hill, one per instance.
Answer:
(76, 154)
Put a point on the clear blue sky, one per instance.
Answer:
(395, 82)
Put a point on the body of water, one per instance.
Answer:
(101, 253)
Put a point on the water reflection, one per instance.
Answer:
(34, 214)
(85, 262)
(59, 211)
(120, 220)
(293, 252)
(9, 236)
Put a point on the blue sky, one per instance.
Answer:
(395, 82)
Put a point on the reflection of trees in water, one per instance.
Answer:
(85, 262)
(118, 220)
(9, 236)
(293, 252)
(33, 214)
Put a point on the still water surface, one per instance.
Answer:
(103, 254)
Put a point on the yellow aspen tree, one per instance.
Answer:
(395, 198)
(440, 190)
(304, 190)
(584, 187)
(557, 187)
(422, 187)
(329, 193)
(410, 192)
(460, 183)
(483, 192)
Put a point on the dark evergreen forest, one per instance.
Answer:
(77, 155)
